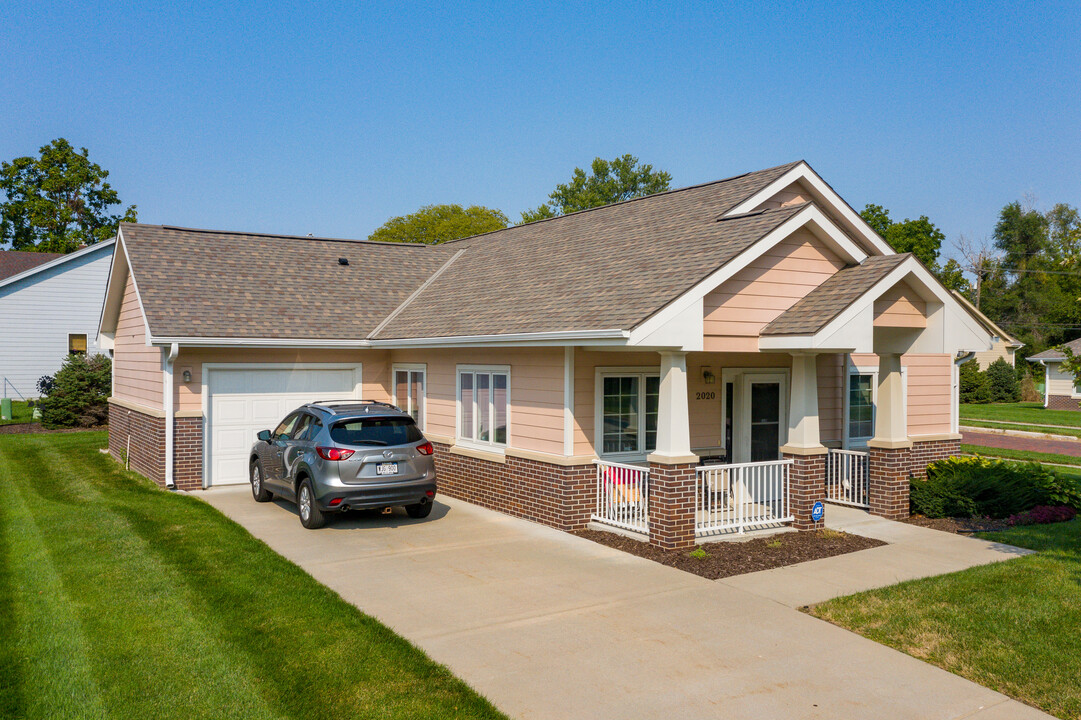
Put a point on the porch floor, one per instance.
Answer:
(911, 552)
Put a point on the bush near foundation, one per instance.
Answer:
(79, 393)
(981, 487)
(973, 383)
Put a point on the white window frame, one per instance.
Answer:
(600, 373)
(489, 445)
(422, 368)
(872, 370)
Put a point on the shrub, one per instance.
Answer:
(973, 383)
(1043, 515)
(1029, 392)
(1002, 382)
(79, 394)
(976, 486)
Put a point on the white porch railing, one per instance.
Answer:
(847, 472)
(735, 498)
(622, 496)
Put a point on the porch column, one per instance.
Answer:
(672, 465)
(890, 450)
(807, 474)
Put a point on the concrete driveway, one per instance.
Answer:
(548, 625)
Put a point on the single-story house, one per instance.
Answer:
(712, 358)
(50, 306)
(1061, 390)
(1004, 346)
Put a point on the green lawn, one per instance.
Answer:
(1031, 413)
(1013, 626)
(119, 600)
(1022, 455)
(20, 413)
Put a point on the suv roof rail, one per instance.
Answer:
(332, 406)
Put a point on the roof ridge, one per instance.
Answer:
(634, 199)
(210, 231)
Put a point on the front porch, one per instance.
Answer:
(811, 427)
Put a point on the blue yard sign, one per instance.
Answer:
(818, 511)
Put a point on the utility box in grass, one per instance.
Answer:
(5, 408)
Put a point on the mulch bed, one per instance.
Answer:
(725, 559)
(961, 526)
(20, 428)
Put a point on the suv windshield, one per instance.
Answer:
(376, 431)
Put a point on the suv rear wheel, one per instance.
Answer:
(258, 490)
(420, 510)
(311, 516)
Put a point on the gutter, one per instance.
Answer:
(557, 337)
(1046, 383)
(174, 349)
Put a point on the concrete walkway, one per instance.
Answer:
(548, 625)
(913, 552)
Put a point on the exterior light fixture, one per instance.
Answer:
(187, 376)
(707, 376)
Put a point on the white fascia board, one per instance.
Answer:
(138, 296)
(114, 291)
(828, 195)
(96, 247)
(810, 216)
(610, 337)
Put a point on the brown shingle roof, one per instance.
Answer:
(197, 283)
(818, 307)
(13, 262)
(606, 268)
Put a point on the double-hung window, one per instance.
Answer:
(628, 403)
(483, 402)
(861, 407)
(409, 391)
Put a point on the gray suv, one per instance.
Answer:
(330, 457)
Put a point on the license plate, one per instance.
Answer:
(386, 469)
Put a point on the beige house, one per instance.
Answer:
(1061, 390)
(701, 361)
(1004, 346)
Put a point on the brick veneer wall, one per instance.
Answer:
(887, 486)
(147, 441)
(925, 453)
(806, 485)
(561, 496)
(147, 453)
(671, 505)
(1063, 402)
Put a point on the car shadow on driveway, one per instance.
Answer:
(369, 519)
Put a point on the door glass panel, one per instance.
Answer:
(653, 402)
(765, 421)
(467, 404)
(401, 389)
(416, 396)
(499, 402)
(484, 418)
(861, 411)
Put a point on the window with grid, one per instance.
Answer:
(629, 407)
(483, 400)
(409, 391)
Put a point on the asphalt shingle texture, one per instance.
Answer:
(818, 307)
(14, 262)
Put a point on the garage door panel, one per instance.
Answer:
(242, 402)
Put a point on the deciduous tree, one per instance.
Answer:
(440, 223)
(609, 182)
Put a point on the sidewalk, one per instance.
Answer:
(913, 552)
(548, 625)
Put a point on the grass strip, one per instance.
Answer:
(1029, 413)
(124, 601)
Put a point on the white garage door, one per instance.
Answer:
(243, 401)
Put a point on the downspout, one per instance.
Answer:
(1046, 383)
(955, 402)
(169, 419)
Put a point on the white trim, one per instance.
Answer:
(599, 373)
(784, 383)
(568, 401)
(598, 337)
(817, 185)
(809, 215)
(168, 391)
(850, 370)
(472, 443)
(56, 262)
(411, 368)
(204, 392)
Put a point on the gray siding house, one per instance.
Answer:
(47, 311)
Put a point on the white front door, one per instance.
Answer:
(761, 428)
(244, 400)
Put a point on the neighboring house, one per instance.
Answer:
(754, 323)
(50, 306)
(1061, 391)
(1004, 346)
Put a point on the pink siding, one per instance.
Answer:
(929, 383)
(137, 366)
(536, 391)
(900, 306)
(737, 310)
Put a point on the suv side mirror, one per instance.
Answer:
(263, 435)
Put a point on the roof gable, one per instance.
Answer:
(14, 262)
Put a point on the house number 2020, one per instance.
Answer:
(705, 396)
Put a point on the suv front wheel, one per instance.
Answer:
(311, 516)
(258, 490)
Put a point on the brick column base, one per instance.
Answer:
(806, 486)
(887, 486)
(671, 505)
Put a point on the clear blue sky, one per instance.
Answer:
(330, 118)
